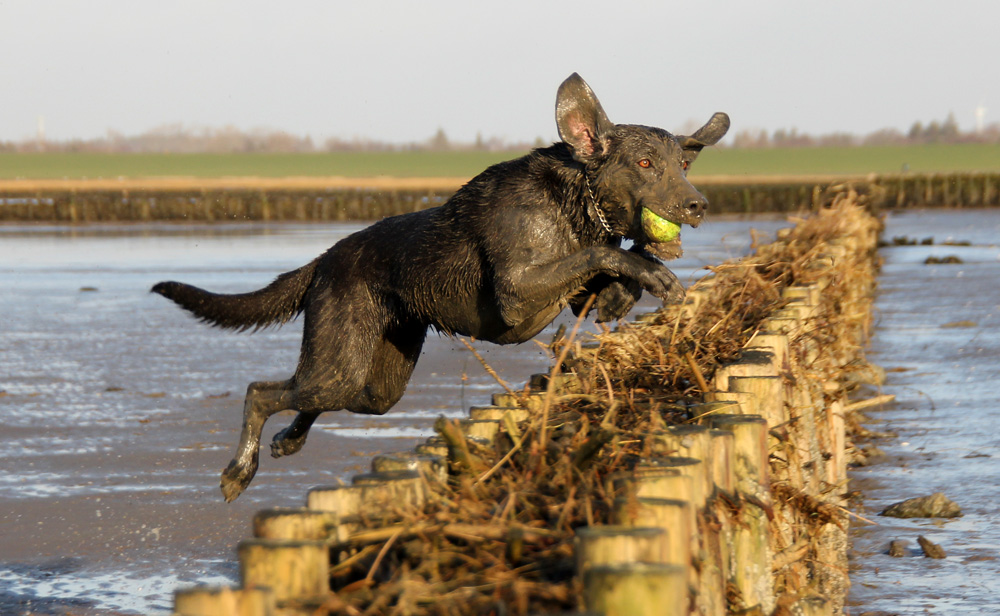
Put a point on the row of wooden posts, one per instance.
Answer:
(740, 511)
(343, 204)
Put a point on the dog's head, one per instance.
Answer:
(631, 168)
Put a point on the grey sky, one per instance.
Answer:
(398, 71)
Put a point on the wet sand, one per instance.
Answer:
(118, 411)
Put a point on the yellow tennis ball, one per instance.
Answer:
(657, 228)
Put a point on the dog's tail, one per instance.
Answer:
(276, 303)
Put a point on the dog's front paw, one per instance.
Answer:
(282, 445)
(676, 294)
(236, 478)
(662, 283)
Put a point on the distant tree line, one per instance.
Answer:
(176, 138)
(936, 131)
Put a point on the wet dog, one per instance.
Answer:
(498, 261)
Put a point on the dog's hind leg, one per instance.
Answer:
(264, 398)
(391, 367)
(341, 339)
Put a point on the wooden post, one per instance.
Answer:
(750, 455)
(691, 467)
(618, 545)
(769, 392)
(566, 382)
(296, 524)
(798, 458)
(750, 535)
(672, 515)
(224, 601)
(636, 590)
(722, 454)
(776, 343)
(753, 362)
(688, 441)
(738, 403)
(434, 446)
(721, 403)
(497, 412)
(342, 500)
(429, 466)
(713, 561)
(785, 325)
(532, 402)
(395, 489)
(486, 429)
(657, 482)
(294, 570)
(650, 482)
(835, 425)
(808, 295)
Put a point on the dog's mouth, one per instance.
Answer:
(658, 229)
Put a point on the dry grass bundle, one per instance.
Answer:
(497, 537)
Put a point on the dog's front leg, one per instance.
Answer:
(527, 289)
(615, 297)
(263, 400)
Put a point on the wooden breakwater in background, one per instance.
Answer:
(692, 462)
(340, 199)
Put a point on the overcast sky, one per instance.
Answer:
(398, 71)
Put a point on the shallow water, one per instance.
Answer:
(938, 335)
(118, 410)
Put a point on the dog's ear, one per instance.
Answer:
(709, 134)
(581, 119)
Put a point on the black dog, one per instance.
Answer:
(498, 261)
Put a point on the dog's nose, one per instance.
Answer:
(696, 207)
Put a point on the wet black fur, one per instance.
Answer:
(498, 261)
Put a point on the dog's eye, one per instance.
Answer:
(645, 164)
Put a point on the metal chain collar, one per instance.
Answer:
(597, 208)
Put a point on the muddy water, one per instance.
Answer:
(938, 335)
(118, 411)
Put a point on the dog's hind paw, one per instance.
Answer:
(285, 446)
(235, 479)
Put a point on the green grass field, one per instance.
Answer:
(851, 161)
(716, 161)
(363, 164)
